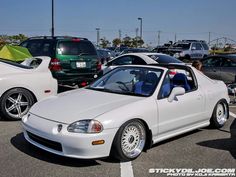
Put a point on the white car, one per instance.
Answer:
(126, 111)
(138, 59)
(21, 85)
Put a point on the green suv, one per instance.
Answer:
(73, 60)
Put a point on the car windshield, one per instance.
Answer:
(136, 81)
(182, 45)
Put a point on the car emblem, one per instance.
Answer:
(59, 127)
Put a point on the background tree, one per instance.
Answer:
(104, 42)
(116, 42)
(127, 41)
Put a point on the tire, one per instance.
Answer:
(129, 141)
(15, 103)
(220, 114)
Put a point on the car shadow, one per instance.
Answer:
(22, 145)
(227, 144)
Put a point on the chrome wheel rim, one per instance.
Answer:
(221, 113)
(133, 139)
(17, 105)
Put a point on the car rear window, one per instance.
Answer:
(164, 59)
(76, 48)
(15, 64)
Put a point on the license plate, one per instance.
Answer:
(81, 64)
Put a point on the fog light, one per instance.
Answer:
(98, 142)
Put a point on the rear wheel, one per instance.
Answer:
(15, 103)
(220, 114)
(129, 141)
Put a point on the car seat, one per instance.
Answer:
(146, 87)
(180, 79)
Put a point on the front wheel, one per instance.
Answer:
(15, 103)
(220, 114)
(129, 141)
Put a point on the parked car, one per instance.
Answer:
(138, 59)
(126, 111)
(74, 60)
(189, 50)
(220, 67)
(21, 85)
(105, 55)
(232, 89)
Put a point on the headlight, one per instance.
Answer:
(85, 126)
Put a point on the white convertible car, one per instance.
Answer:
(21, 85)
(126, 111)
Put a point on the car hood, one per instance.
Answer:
(80, 104)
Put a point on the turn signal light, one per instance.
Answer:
(98, 142)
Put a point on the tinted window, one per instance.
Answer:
(39, 47)
(34, 47)
(164, 59)
(198, 46)
(228, 63)
(212, 62)
(76, 48)
(138, 61)
(126, 60)
(194, 46)
(205, 46)
(182, 45)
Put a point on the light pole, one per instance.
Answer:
(52, 32)
(98, 36)
(141, 27)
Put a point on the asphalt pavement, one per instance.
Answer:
(203, 148)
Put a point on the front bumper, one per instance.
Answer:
(45, 135)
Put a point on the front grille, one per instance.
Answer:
(45, 142)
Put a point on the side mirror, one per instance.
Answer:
(176, 91)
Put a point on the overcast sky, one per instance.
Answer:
(188, 19)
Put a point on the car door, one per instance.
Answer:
(228, 70)
(185, 111)
(196, 51)
(211, 66)
(199, 51)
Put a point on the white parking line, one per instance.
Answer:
(126, 169)
(232, 114)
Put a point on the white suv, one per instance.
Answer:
(189, 49)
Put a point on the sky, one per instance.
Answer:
(187, 19)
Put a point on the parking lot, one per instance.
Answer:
(203, 148)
